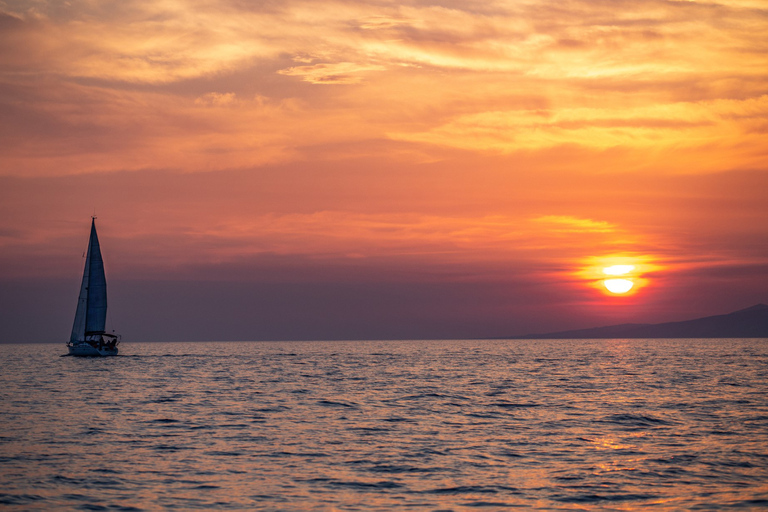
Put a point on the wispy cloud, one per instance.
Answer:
(497, 76)
(569, 224)
(217, 99)
(338, 73)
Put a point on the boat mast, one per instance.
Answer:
(97, 287)
(87, 264)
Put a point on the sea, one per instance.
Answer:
(616, 424)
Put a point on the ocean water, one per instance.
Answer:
(398, 425)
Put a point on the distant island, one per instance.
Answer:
(746, 323)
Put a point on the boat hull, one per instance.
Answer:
(87, 350)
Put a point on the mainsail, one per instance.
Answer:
(91, 315)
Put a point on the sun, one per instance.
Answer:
(622, 285)
(619, 276)
(618, 286)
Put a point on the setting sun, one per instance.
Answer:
(619, 273)
(618, 286)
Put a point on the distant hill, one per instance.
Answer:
(746, 323)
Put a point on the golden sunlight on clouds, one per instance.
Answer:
(671, 81)
(568, 224)
(674, 126)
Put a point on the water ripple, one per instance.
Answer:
(369, 426)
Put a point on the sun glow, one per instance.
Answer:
(617, 275)
(618, 286)
(618, 270)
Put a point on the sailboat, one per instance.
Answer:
(88, 335)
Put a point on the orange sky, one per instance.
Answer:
(476, 163)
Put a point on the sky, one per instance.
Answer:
(367, 169)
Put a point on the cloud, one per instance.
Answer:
(217, 99)
(93, 87)
(168, 41)
(331, 74)
(569, 224)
